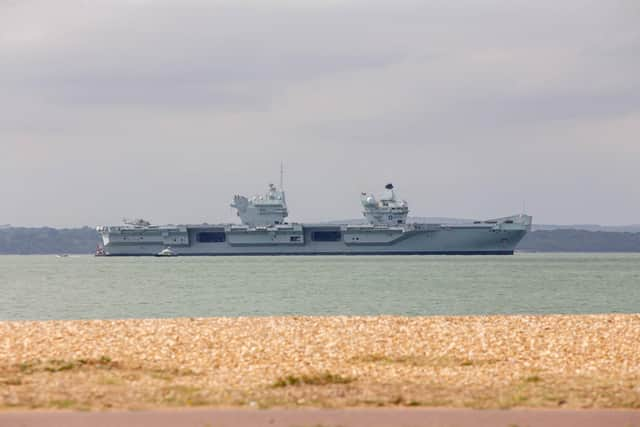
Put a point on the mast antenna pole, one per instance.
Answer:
(281, 176)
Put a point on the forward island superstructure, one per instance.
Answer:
(264, 231)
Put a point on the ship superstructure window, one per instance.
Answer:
(326, 236)
(211, 237)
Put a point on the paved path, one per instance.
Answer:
(325, 418)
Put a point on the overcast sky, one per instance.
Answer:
(166, 109)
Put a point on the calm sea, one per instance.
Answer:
(85, 287)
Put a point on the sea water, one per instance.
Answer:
(87, 287)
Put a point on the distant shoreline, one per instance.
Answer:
(43, 241)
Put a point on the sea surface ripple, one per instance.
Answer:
(85, 287)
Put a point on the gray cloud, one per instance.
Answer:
(469, 107)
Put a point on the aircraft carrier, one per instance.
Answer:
(265, 231)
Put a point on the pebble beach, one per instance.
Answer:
(553, 361)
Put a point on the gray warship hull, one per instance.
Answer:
(496, 237)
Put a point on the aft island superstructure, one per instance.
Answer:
(264, 231)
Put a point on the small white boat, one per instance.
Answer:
(62, 255)
(167, 252)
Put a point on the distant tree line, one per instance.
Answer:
(26, 241)
(580, 241)
(84, 241)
